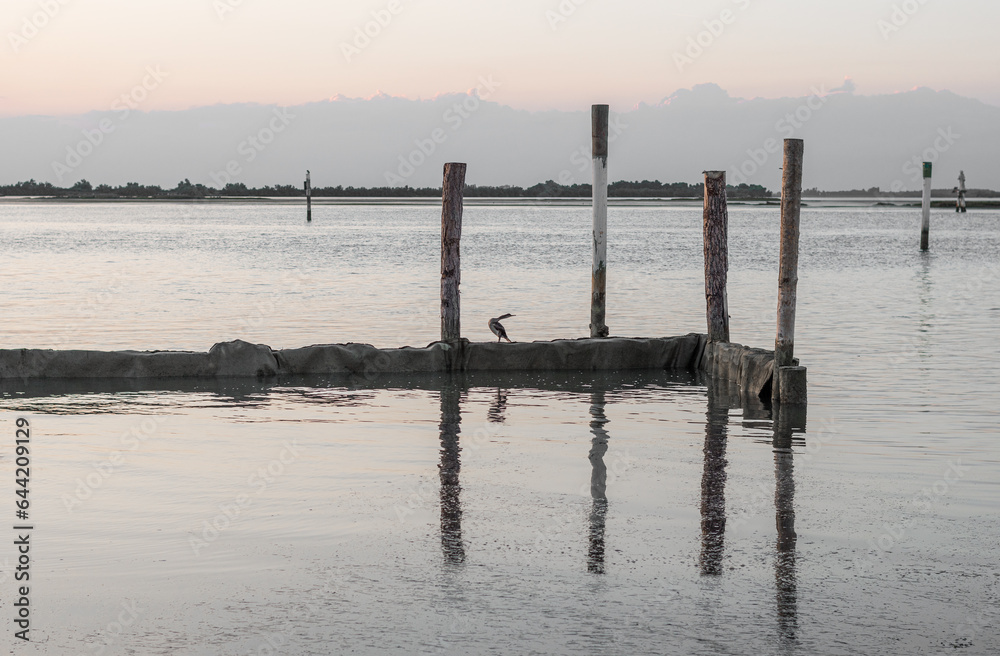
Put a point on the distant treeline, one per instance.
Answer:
(876, 192)
(549, 189)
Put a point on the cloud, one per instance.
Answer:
(854, 141)
(847, 87)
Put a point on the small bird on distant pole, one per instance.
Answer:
(498, 329)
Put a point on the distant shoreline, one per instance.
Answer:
(815, 202)
(553, 201)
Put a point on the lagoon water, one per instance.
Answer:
(630, 513)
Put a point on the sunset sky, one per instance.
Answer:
(74, 56)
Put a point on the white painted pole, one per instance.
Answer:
(598, 303)
(925, 224)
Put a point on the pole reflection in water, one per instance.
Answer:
(451, 503)
(921, 343)
(713, 479)
(598, 483)
(784, 505)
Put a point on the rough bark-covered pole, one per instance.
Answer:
(598, 307)
(925, 223)
(788, 275)
(309, 197)
(716, 229)
(451, 236)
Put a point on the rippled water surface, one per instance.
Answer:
(628, 513)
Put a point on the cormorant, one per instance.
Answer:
(497, 329)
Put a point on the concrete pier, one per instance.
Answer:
(749, 368)
(242, 359)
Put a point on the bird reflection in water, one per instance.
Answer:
(498, 407)
(451, 503)
(598, 483)
(713, 480)
(784, 505)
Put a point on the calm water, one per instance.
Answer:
(638, 513)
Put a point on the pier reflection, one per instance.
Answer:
(786, 426)
(713, 479)
(787, 422)
(598, 482)
(449, 469)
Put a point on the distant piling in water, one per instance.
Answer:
(452, 194)
(788, 381)
(960, 201)
(925, 223)
(599, 279)
(309, 197)
(716, 235)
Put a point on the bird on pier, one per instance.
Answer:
(497, 328)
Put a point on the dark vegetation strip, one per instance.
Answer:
(548, 189)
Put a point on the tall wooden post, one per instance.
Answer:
(309, 197)
(925, 223)
(788, 275)
(598, 300)
(453, 191)
(716, 234)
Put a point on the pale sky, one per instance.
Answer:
(73, 56)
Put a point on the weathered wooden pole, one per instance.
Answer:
(309, 197)
(452, 193)
(788, 274)
(598, 301)
(716, 234)
(793, 382)
(925, 224)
